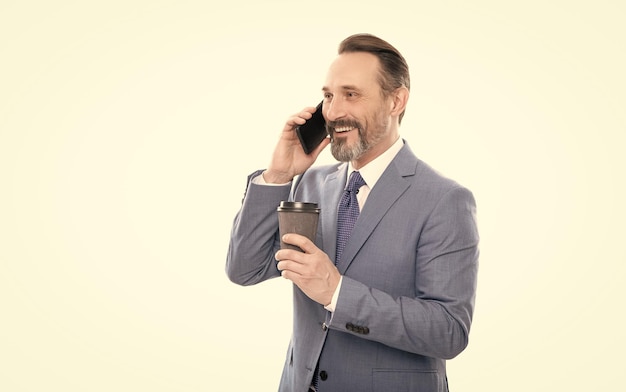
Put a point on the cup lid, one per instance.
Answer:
(298, 206)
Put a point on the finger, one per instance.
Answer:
(287, 272)
(308, 111)
(302, 117)
(294, 122)
(300, 241)
(285, 265)
(288, 255)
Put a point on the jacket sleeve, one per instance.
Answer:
(436, 322)
(254, 238)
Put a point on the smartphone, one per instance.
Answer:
(313, 131)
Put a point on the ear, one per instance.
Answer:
(399, 99)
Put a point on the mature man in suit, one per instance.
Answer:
(386, 313)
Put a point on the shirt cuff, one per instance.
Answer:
(260, 180)
(333, 303)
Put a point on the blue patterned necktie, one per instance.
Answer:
(348, 212)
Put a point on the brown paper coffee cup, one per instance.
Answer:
(297, 217)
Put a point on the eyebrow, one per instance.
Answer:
(344, 88)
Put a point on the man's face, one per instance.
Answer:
(357, 114)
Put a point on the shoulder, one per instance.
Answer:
(426, 182)
(319, 174)
(415, 170)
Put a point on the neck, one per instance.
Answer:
(376, 150)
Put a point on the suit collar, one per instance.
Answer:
(375, 169)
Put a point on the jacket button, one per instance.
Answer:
(350, 327)
(323, 375)
(324, 327)
(366, 330)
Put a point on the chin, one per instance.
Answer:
(345, 151)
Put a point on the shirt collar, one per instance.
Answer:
(374, 169)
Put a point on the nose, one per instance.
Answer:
(334, 110)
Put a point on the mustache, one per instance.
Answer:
(332, 125)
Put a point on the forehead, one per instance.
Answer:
(358, 69)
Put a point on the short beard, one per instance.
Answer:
(344, 153)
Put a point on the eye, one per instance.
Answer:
(327, 96)
(351, 94)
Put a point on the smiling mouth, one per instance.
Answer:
(343, 129)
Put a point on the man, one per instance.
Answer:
(386, 313)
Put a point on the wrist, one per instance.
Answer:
(272, 177)
(333, 302)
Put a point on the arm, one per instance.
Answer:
(254, 236)
(436, 321)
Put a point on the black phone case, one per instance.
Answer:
(313, 131)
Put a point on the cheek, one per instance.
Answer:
(375, 123)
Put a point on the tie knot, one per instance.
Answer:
(355, 181)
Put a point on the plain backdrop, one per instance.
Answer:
(127, 130)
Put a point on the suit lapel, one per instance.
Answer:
(391, 185)
(333, 187)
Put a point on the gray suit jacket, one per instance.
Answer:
(409, 268)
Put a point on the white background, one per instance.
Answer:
(127, 129)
